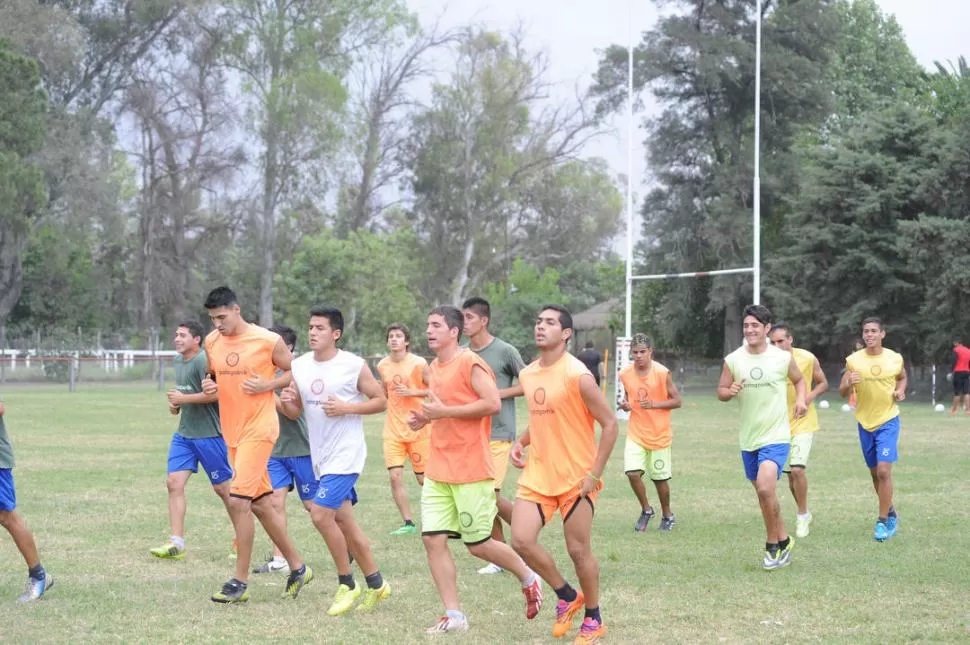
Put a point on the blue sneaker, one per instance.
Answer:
(891, 523)
(37, 587)
(881, 534)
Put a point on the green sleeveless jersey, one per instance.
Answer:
(764, 398)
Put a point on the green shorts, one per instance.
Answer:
(655, 463)
(801, 448)
(464, 511)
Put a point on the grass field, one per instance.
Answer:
(90, 478)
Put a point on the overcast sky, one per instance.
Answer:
(570, 32)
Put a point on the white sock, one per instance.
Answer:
(278, 559)
(529, 579)
(178, 541)
(455, 614)
(804, 516)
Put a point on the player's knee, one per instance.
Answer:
(434, 543)
(322, 517)
(578, 550)
(175, 483)
(634, 475)
(480, 550)
(240, 504)
(765, 487)
(7, 519)
(395, 475)
(522, 545)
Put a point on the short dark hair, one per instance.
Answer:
(565, 318)
(589, 344)
(286, 333)
(401, 327)
(873, 320)
(194, 328)
(452, 316)
(641, 340)
(332, 314)
(220, 297)
(760, 313)
(781, 325)
(479, 305)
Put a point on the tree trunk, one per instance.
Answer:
(732, 322)
(461, 279)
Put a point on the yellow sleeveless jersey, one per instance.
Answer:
(875, 403)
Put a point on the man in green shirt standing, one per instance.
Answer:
(38, 580)
(757, 374)
(290, 466)
(199, 436)
(506, 363)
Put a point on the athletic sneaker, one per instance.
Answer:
(446, 624)
(590, 632)
(343, 600)
(770, 561)
(891, 523)
(272, 566)
(565, 612)
(37, 587)
(232, 592)
(168, 552)
(490, 569)
(645, 517)
(405, 529)
(881, 532)
(373, 597)
(296, 581)
(667, 523)
(784, 555)
(533, 598)
(802, 525)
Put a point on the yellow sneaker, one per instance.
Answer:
(168, 552)
(343, 600)
(373, 597)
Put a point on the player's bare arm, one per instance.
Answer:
(850, 379)
(511, 392)
(366, 385)
(487, 404)
(821, 383)
(282, 357)
(517, 455)
(727, 387)
(291, 404)
(673, 397)
(421, 393)
(900, 393)
(178, 399)
(795, 376)
(609, 429)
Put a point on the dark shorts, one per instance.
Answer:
(961, 383)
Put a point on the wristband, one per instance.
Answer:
(592, 476)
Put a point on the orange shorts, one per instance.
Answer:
(397, 452)
(250, 475)
(565, 503)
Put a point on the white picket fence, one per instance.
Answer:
(111, 360)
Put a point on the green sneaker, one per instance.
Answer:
(296, 581)
(373, 597)
(405, 529)
(343, 600)
(168, 552)
(232, 592)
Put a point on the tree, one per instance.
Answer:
(23, 106)
(293, 57)
(514, 310)
(699, 64)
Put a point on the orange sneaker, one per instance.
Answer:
(565, 612)
(590, 633)
(533, 598)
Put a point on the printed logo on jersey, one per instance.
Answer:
(539, 396)
(875, 370)
(317, 386)
(756, 373)
(398, 379)
(642, 394)
(232, 359)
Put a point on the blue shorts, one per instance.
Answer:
(882, 444)
(752, 459)
(294, 472)
(8, 495)
(334, 490)
(211, 452)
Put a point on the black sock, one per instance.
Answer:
(594, 613)
(882, 519)
(783, 544)
(771, 547)
(566, 593)
(300, 571)
(892, 511)
(239, 583)
(347, 580)
(375, 580)
(37, 573)
(408, 522)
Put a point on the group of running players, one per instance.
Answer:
(262, 423)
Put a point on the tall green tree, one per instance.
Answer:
(23, 195)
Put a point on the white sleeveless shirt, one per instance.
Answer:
(337, 444)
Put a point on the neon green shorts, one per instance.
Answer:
(655, 463)
(463, 511)
(801, 448)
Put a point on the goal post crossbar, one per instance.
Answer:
(693, 274)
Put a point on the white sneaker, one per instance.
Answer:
(446, 624)
(802, 525)
(490, 569)
(273, 566)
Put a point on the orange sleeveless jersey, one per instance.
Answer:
(410, 374)
(233, 359)
(649, 428)
(562, 446)
(460, 450)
